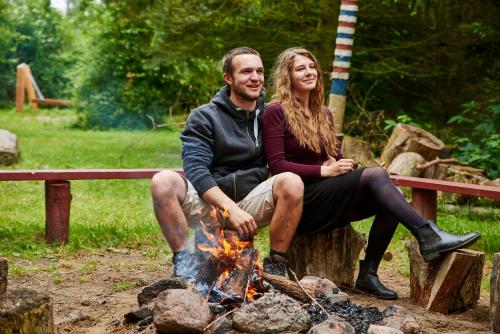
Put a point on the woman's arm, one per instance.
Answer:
(274, 145)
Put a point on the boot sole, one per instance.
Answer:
(436, 255)
(367, 293)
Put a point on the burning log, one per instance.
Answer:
(291, 288)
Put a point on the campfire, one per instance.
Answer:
(229, 291)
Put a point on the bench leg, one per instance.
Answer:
(57, 209)
(425, 202)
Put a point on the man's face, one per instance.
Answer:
(247, 78)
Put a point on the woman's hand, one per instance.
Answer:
(337, 168)
(331, 160)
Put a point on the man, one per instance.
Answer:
(225, 167)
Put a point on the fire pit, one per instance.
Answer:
(229, 291)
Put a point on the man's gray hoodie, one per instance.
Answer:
(222, 146)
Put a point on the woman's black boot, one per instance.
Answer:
(434, 242)
(369, 283)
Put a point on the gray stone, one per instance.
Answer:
(142, 313)
(374, 329)
(151, 291)
(9, 148)
(272, 313)
(222, 326)
(181, 311)
(73, 317)
(332, 325)
(400, 318)
(340, 297)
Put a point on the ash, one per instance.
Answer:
(360, 317)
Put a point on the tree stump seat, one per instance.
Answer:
(449, 284)
(23, 311)
(332, 255)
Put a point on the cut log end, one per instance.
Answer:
(450, 284)
(26, 312)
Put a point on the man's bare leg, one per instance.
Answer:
(288, 194)
(169, 190)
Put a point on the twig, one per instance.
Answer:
(219, 318)
(438, 161)
(308, 295)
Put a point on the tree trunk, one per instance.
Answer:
(406, 164)
(406, 138)
(333, 255)
(358, 150)
(26, 312)
(4, 267)
(495, 294)
(447, 285)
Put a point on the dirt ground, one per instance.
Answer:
(103, 286)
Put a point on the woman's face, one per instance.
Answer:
(304, 74)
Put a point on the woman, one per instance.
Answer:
(299, 137)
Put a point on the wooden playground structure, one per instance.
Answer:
(25, 82)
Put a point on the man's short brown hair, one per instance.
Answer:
(227, 60)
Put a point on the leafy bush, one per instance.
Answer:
(479, 142)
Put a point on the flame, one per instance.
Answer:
(225, 246)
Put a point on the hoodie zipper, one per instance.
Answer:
(249, 136)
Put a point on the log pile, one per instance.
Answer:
(23, 311)
(446, 285)
(411, 151)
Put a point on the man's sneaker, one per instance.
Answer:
(184, 264)
(275, 265)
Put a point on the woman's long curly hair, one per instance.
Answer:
(301, 125)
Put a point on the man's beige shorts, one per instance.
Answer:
(259, 203)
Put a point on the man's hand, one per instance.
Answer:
(242, 222)
(238, 220)
(337, 168)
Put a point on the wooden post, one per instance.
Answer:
(425, 202)
(343, 53)
(446, 285)
(333, 255)
(57, 211)
(29, 88)
(4, 269)
(495, 294)
(20, 78)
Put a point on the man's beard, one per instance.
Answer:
(242, 94)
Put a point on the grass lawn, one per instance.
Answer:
(118, 213)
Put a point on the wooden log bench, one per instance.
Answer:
(58, 192)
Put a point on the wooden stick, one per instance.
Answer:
(438, 161)
(311, 297)
(219, 318)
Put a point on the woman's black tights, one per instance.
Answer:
(377, 195)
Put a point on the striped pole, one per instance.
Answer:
(343, 53)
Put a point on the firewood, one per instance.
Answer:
(495, 294)
(291, 288)
(437, 161)
(3, 276)
(446, 285)
(237, 283)
(358, 150)
(437, 171)
(26, 312)
(332, 255)
(406, 164)
(406, 138)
